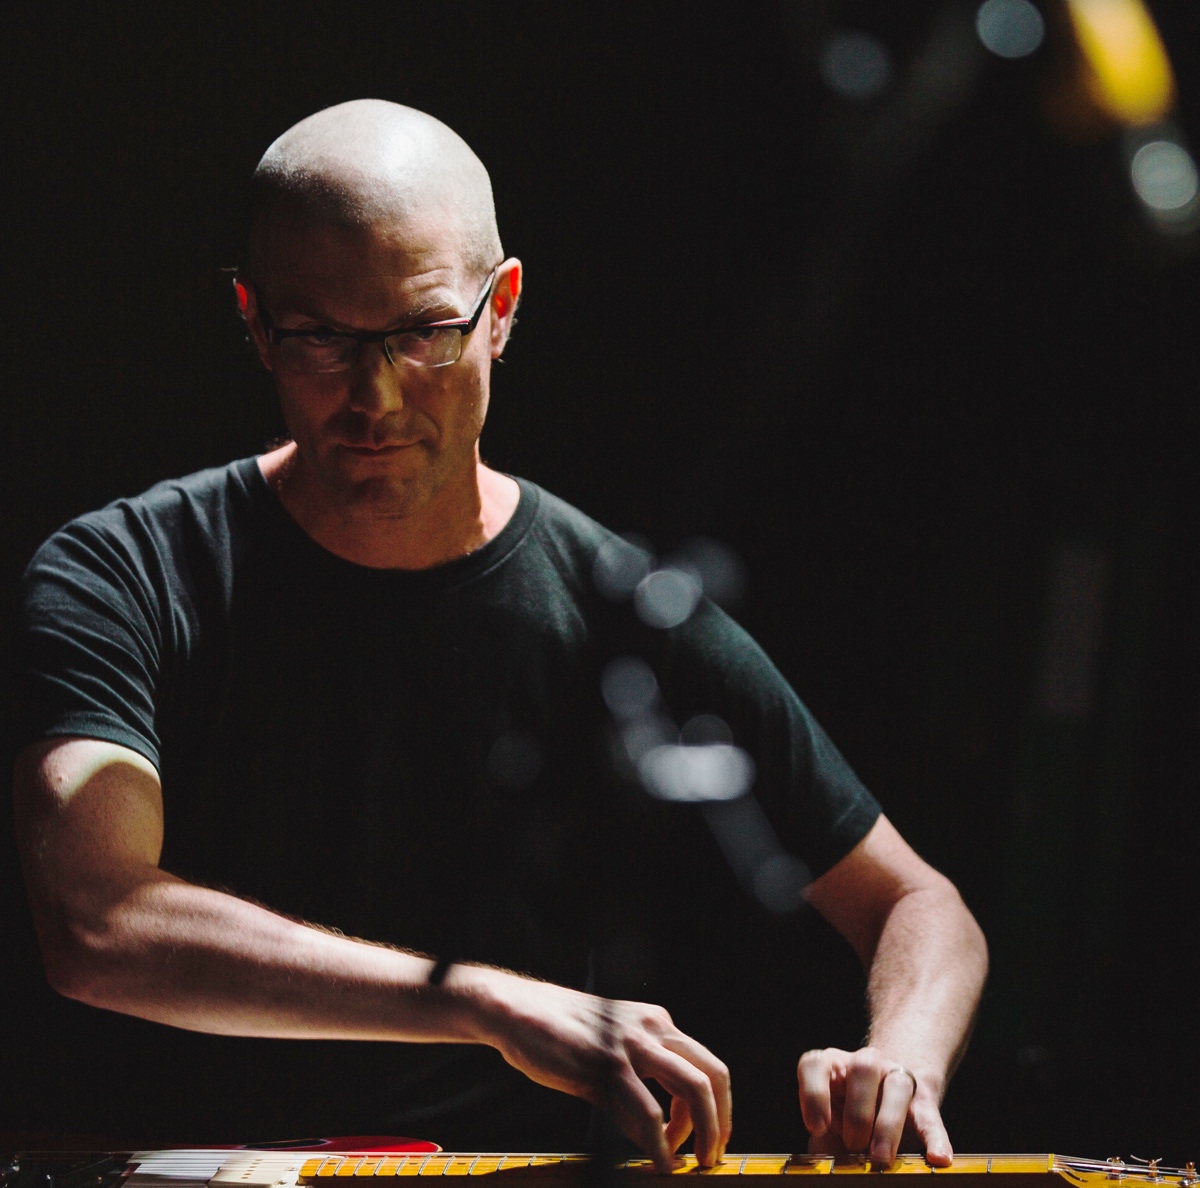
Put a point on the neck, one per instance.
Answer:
(455, 520)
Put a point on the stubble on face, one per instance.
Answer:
(422, 424)
(430, 447)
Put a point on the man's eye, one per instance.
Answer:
(422, 333)
(319, 337)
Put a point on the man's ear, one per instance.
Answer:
(506, 296)
(247, 303)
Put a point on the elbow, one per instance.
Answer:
(69, 977)
(942, 903)
(99, 942)
(974, 942)
(981, 948)
(78, 962)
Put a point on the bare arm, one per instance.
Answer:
(118, 932)
(927, 960)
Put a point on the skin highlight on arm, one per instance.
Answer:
(120, 933)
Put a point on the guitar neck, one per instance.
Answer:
(999, 1171)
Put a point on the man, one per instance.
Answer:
(291, 682)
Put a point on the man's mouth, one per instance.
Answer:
(378, 451)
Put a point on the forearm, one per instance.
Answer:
(175, 953)
(196, 958)
(925, 981)
(120, 933)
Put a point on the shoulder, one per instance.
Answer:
(206, 500)
(565, 538)
(147, 540)
(704, 638)
(557, 521)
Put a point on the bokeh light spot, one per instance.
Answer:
(1128, 73)
(629, 687)
(696, 774)
(1164, 176)
(667, 597)
(779, 882)
(705, 728)
(644, 734)
(620, 565)
(721, 571)
(1010, 28)
(855, 65)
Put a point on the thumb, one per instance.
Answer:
(927, 1121)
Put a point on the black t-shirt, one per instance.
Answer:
(418, 757)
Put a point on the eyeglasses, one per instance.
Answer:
(319, 351)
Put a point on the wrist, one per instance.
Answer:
(930, 1080)
(931, 1075)
(478, 1002)
(931, 1083)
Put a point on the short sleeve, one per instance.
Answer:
(818, 806)
(90, 639)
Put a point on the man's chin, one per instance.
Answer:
(387, 496)
(392, 487)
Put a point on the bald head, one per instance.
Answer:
(368, 165)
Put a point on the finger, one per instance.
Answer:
(862, 1094)
(680, 1078)
(894, 1099)
(640, 1119)
(814, 1073)
(927, 1121)
(718, 1075)
(826, 1144)
(680, 1124)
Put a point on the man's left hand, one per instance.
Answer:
(862, 1103)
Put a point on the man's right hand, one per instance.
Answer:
(604, 1051)
(120, 933)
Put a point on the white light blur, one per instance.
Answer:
(620, 565)
(779, 882)
(750, 845)
(1164, 177)
(705, 728)
(667, 597)
(693, 775)
(855, 65)
(1010, 28)
(644, 734)
(629, 687)
(721, 571)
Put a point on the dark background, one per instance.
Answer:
(926, 369)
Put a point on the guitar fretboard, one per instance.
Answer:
(1018, 1171)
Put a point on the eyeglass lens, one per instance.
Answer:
(318, 354)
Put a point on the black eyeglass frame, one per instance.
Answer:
(464, 326)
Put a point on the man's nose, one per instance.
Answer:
(376, 385)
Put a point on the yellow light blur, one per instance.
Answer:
(1130, 73)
